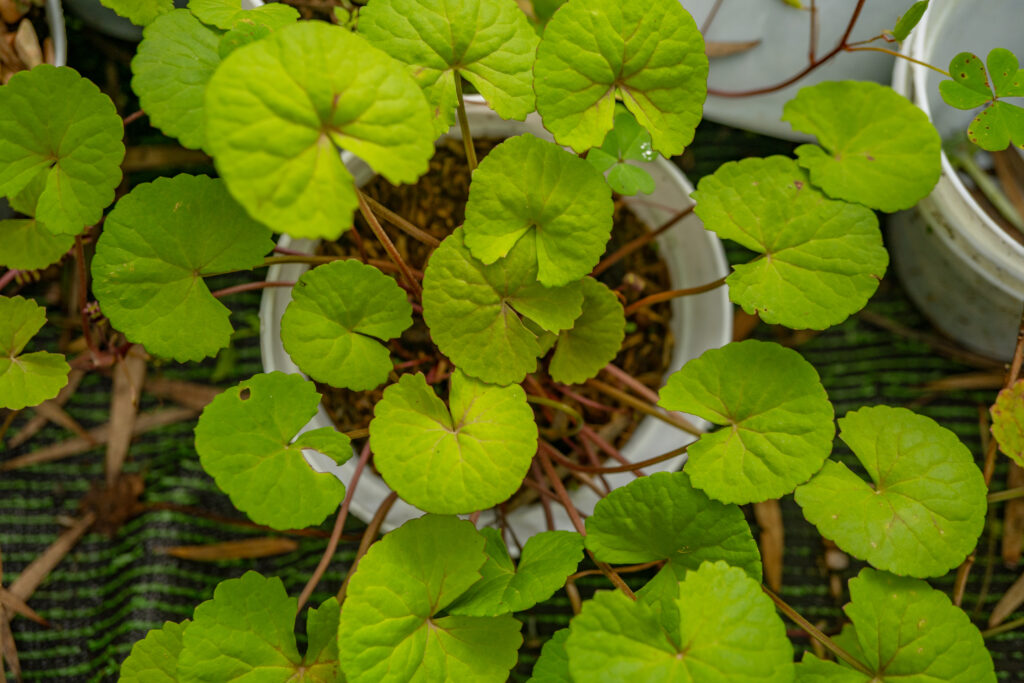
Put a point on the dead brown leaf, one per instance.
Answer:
(26, 45)
(249, 548)
(726, 48)
(114, 505)
(129, 376)
(10, 12)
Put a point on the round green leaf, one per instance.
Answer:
(882, 151)
(553, 664)
(246, 633)
(594, 338)
(275, 118)
(157, 244)
(25, 244)
(59, 125)
(244, 440)
(26, 379)
(1008, 421)
(389, 631)
(473, 310)
(662, 517)
(905, 630)
(469, 458)
(339, 314)
(925, 508)
(822, 260)
(154, 659)
(488, 42)
(547, 559)
(531, 189)
(776, 419)
(174, 62)
(139, 12)
(727, 631)
(648, 54)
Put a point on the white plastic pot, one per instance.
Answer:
(694, 256)
(784, 32)
(109, 23)
(963, 271)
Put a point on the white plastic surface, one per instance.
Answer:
(694, 256)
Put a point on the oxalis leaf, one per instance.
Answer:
(26, 379)
(1008, 421)
(154, 659)
(157, 244)
(880, 150)
(56, 124)
(473, 310)
(627, 141)
(469, 457)
(246, 633)
(1000, 123)
(776, 420)
(547, 559)
(530, 189)
(339, 314)
(904, 630)
(488, 42)
(389, 630)
(649, 54)
(594, 339)
(244, 440)
(727, 631)
(277, 93)
(139, 12)
(822, 259)
(925, 508)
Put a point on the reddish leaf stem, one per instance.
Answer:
(248, 287)
(389, 247)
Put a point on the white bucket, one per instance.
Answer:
(963, 271)
(694, 257)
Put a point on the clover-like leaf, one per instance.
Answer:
(822, 259)
(1008, 421)
(244, 440)
(906, 23)
(925, 507)
(776, 419)
(648, 54)
(389, 631)
(727, 631)
(594, 338)
(157, 244)
(473, 310)
(627, 141)
(547, 559)
(252, 25)
(139, 12)
(275, 118)
(663, 517)
(25, 244)
(26, 379)
(904, 630)
(154, 659)
(469, 457)
(1000, 123)
(174, 62)
(246, 633)
(553, 664)
(488, 42)
(59, 125)
(531, 189)
(338, 317)
(879, 149)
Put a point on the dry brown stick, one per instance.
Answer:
(661, 297)
(187, 394)
(37, 571)
(673, 419)
(71, 447)
(1013, 520)
(245, 549)
(400, 222)
(1008, 604)
(389, 247)
(39, 421)
(772, 541)
(369, 536)
(129, 376)
(18, 606)
(636, 243)
(51, 412)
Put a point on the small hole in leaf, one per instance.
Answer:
(244, 394)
